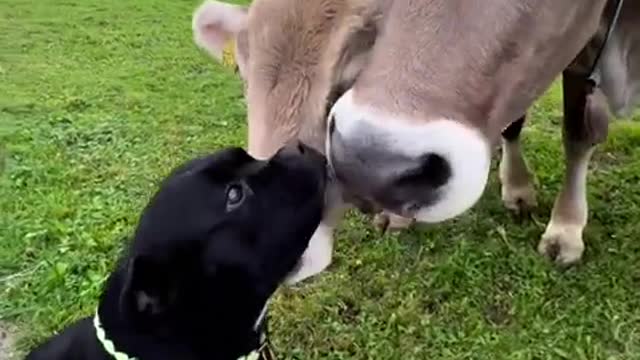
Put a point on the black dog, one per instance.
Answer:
(211, 247)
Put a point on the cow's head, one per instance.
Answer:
(415, 130)
(282, 49)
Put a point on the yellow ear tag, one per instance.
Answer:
(228, 54)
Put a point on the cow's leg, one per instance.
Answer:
(319, 253)
(518, 192)
(317, 256)
(585, 125)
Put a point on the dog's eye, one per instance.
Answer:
(235, 196)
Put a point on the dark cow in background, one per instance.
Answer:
(418, 93)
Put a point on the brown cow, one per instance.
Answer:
(431, 85)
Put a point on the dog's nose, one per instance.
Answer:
(294, 147)
(297, 148)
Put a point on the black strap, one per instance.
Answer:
(594, 75)
(267, 352)
(266, 348)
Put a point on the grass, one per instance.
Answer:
(100, 99)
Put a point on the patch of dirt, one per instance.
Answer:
(6, 343)
(498, 313)
(349, 311)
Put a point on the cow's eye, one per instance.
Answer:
(235, 196)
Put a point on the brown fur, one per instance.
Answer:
(287, 88)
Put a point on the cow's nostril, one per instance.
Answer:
(433, 171)
(436, 168)
(301, 148)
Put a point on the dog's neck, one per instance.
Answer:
(223, 341)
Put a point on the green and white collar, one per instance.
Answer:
(110, 348)
(107, 344)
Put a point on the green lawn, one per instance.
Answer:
(100, 99)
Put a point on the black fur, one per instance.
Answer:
(200, 269)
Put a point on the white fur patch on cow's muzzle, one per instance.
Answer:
(429, 169)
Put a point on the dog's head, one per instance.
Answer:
(218, 238)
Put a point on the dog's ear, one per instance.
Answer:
(149, 289)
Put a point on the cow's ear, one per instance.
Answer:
(220, 29)
(350, 48)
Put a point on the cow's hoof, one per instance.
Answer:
(385, 221)
(519, 199)
(562, 243)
